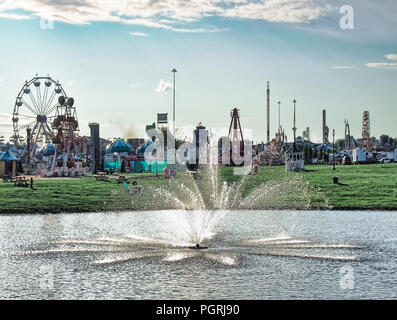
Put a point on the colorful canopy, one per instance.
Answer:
(141, 150)
(324, 146)
(8, 156)
(48, 150)
(119, 146)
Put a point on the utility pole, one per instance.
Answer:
(294, 128)
(268, 111)
(279, 123)
(333, 140)
(173, 119)
(173, 104)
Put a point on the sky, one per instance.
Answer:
(115, 59)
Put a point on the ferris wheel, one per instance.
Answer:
(43, 107)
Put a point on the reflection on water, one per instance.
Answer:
(250, 255)
(132, 248)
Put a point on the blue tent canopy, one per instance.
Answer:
(8, 156)
(141, 150)
(324, 146)
(118, 147)
(48, 150)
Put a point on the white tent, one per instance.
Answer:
(359, 155)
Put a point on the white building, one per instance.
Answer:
(359, 155)
(294, 161)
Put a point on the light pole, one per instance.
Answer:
(333, 141)
(294, 128)
(279, 124)
(173, 119)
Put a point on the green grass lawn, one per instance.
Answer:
(361, 187)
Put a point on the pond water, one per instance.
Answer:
(250, 255)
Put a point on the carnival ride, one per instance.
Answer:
(48, 115)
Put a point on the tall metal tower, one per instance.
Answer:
(173, 105)
(268, 111)
(366, 132)
(325, 128)
(95, 147)
(348, 145)
(306, 134)
(235, 125)
(279, 121)
(294, 128)
(236, 136)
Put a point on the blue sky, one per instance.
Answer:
(111, 59)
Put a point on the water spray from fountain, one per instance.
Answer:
(199, 201)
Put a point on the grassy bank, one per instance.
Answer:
(364, 187)
(372, 187)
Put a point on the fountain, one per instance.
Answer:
(198, 247)
(197, 203)
(174, 220)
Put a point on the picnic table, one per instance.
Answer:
(122, 179)
(101, 176)
(21, 181)
(8, 178)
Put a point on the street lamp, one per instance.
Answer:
(173, 119)
(279, 124)
(294, 128)
(333, 140)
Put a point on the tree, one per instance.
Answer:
(307, 160)
(315, 154)
(384, 139)
(340, 144)
(320, 154)
(326, 156)
(273, 156)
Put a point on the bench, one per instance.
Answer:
(21, 182)
(8, 178)
(101, 176)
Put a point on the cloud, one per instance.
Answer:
(70, 83)
(165, 14)
(382, 65)
(278, 10)
(2, 80)
(164, 86)
(391, 56)
(139, 34)
(135, 85)
(342, 67)
(13, 16)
